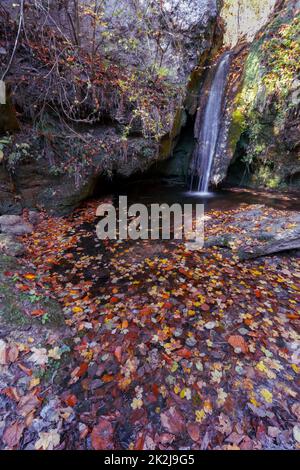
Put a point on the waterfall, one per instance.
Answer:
(209, 128)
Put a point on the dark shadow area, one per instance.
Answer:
(239, 172)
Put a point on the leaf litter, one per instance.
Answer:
(167, 348)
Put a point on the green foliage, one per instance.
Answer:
(13, 154)
(263, 105)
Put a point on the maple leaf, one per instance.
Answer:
(173, 421)
(39, 356)
(137, 403)
(200, 415)
(238, 343)
(55, 353)
(102, 435)
(267, 395)
(47, 440)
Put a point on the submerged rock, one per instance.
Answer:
(9, 245)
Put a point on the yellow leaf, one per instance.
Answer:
(200, 415)
(34, 382)
(267, 395)
(77, 310)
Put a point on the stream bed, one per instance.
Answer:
(163, 348)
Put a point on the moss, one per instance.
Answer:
(237, 127)
(13, 304)
(168, 142)
(263, 109)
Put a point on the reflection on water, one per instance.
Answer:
(149, 192)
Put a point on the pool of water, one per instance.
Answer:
(149, 192)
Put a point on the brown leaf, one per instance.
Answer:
(235, 438)
(296, 410)
(13, 434)
(12, 353)
(225, 426)
(194, 431)
(102, 435)
(165, 438)
(27, 404)
(173, 421)
(238, 343)
(3, 352)
(205, 307)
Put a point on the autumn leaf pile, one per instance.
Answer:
(165, 348)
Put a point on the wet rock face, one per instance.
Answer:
(35, 182)
(263, 145)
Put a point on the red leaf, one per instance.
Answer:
(155, 390)
(70, 400)
(173, 421)
(82, 369)
(38, 312)
(102, 435)
(185, 353)
(238, 342)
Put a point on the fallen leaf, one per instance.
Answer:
(173, 421)
(194, 431)
(47, 440)
(39, 356)
(12, 434)
(267, 395)
(118, 353)
(27, 404)
(238, 343)
(102, 435)
(3, 348)
(296, 433)
(38, 312)
(225, 426)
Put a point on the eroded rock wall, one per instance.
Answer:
(263, 144)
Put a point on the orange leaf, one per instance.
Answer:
(238, 342)
(118, 353)
(71, 400)
(30, 276)
(107, 378)
(102, 435)
(38, 312)
(185, 353)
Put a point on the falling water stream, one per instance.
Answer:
(209, 129)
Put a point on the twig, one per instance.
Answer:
(17, 39)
